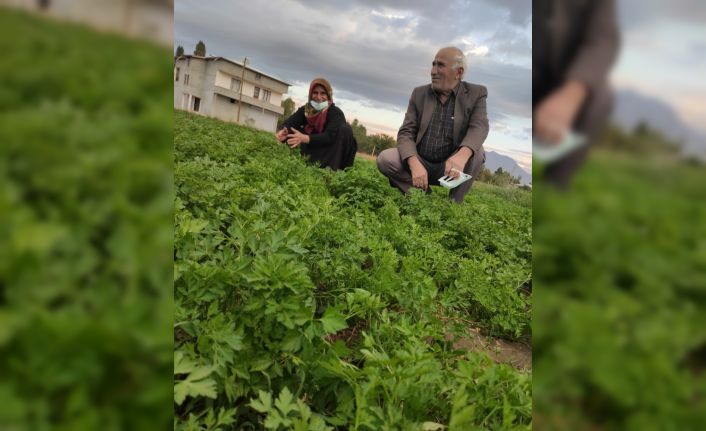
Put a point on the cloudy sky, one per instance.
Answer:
(664, 54)
(374, 52)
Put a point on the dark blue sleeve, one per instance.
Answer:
(296, 120)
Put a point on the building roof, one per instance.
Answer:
(216, 58)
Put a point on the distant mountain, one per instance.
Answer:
(631, 108)
(493, 161)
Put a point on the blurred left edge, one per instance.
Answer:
(86, 219)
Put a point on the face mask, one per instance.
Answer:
(319, 105)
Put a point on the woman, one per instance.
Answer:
(319, 128)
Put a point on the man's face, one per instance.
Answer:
(443, 76)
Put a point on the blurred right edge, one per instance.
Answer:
(619, 318)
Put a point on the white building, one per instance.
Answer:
(214, 86)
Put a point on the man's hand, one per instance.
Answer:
(281, 135)
(297, 138)
(554, 117)
(455, 164)
(419, 173)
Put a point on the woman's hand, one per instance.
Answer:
(281, 135)
(297, 138)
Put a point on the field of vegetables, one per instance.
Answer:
(619, 319)
(86, 204)
(308, 299)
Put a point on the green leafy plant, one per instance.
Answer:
(620, 311)
(315, 299)
(86, 221)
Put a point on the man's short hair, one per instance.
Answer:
(459, 59)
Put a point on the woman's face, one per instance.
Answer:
(318, 95)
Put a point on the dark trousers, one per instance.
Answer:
(397, 171)
(339, 155)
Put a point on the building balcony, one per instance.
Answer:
(227, 92)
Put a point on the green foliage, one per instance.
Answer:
(316, 299)
(499, 178)
(85, 229)
(372, 144)
(360, 133)
(642, 141)
(620, 314)
(179, 51)
(285, 413)
(378, 142)
(196, 382)
(485, 175)
(288, 105)
(200, 49)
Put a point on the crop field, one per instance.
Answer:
(619, 320)
(311, 299)
(86, 204)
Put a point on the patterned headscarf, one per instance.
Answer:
(316, 120)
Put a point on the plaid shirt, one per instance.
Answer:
(437, 145)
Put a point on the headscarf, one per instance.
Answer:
(316, 120)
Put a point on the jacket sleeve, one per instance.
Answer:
(407, 135)
(296, 120)
(599, 47)
(334, 119)
(478, 123)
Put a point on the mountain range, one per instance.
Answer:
(494, 160)
(632, 107)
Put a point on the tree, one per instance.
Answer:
(179, 51)
(485, 175)
(361, 137)
(379, 142)
(200, 49)
(288, 105)
(642, 140)
(503, 178)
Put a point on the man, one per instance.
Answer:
(443, 130)
(575, 45)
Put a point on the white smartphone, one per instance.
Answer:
(548, 153)
(451, 183)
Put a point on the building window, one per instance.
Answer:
(197, 104)
(177, 75)
(186, 79)
(258, 76)
(235, 84)
(266, 95)
(256, 94)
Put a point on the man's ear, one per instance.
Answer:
(459, 72)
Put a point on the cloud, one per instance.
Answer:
(388, 16)
(373, 51)
(645, 13)
(521, 134)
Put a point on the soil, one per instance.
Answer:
(514, 353)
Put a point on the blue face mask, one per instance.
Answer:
(319, 105)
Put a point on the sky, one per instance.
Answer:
(374, 52)
(664, 54)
